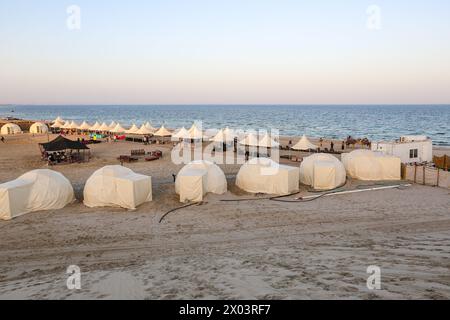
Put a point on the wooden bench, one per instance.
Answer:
(140, 152)
(126, 158)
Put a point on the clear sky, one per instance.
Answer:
(224, 52)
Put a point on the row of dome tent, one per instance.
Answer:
(118, 186)
(12, 128)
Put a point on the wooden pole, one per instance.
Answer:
(423, 182)
(437, 180)
(415, 172)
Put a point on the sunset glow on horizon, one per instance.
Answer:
(227, 52)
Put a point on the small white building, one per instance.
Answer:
(409, 149)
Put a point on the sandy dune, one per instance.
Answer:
(243, 250)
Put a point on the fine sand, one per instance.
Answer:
(222, 250)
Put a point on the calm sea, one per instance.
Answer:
(375, 122)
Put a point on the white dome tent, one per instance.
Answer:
(372, 166)
(10, 128)
(34, 191)
(117, 186)
(322, 171)
(38, 128)
(263, 175)
(198, 178)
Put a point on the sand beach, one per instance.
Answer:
(222, 250)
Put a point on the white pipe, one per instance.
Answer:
(355, 191)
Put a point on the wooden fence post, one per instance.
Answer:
(423, 182)
(437, 180)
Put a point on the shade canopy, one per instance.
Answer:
(195, 133)
(84, 126)
(104, 127)
(112, 125)
(38, 127)
(66, 125)
(95, 126)
(250, 140)
(143, 130)
(163, 132)
(118, 129)
(34, 191)
(57, 124)
(58, 119)
(224, 136)
(133, 130)
(150, 127)
(61, 143)
(181, 134)
(304, 144)
(268, 142)
(10, 128)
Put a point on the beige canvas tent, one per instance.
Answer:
(119, 129)
(95, 126)
(133, 130)
(304, 145)
(57, 124)
(38, 128)
(84, 126)
(263, 175)
(34, 191)
(10, 128)
(150, 127)
(181, 134)
(322, 172)
(104, 127)
(112, 125)
(163, 132)
(369, 165)
(198, 178)
(117, 186)
(143, 130)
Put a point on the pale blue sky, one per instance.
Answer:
(234, 51)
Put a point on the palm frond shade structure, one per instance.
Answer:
(304, 145)
(163, 132)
